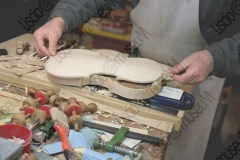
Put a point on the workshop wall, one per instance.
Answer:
(12, 11)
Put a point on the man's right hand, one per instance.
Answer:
(49, 34)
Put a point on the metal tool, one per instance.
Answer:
(111, 146)
(129, 134)
(61, 47)
(117, 149)
(33, 54)
(185, 103)
(45, 57)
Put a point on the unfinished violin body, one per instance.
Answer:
(132, 78)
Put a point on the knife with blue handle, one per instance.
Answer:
(186, 102)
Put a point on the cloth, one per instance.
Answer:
(175, 35)
(224, 48)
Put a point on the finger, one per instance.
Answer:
(193, 82)
(41, 48)
(186, 77)
(37, 50)
(196, 80)
(182, 66)
(53, 45)
(35, 46)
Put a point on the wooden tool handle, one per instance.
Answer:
(23, 107)
(37, 99)
(27, 116)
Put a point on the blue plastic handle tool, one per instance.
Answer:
(185, 103)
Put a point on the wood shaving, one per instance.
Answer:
(104, 92)
(98, 112)
(15, 63)
(87, 88)
(40, 76)
(94, 117)
(133, 123)
(118, 119)
(21, 66)
(103, 114)
(12, 62)
(25, 57)
(7, 65)
(26, 89)
(144, 127)
(8, 86)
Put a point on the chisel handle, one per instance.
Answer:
(117, 138)
(66, 146)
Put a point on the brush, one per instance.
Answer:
(60, 123)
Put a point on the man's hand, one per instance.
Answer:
(194, 69)
(49, 34)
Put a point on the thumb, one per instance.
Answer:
(181, 67)
(53, 45)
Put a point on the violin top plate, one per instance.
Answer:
(81, 63)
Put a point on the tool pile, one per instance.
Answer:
(39, 105)
(50, 113)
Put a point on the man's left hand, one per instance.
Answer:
(194, 69)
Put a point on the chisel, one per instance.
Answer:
(142, 137)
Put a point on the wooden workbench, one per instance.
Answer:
(39, 80)
(16, 96)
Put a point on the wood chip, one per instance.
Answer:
(8, 86)
(26, 89)
(5, 58)
(27, 70)
(118, 119)
(40, 76)
(133, 123)
(106, 115)
(34, 63)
